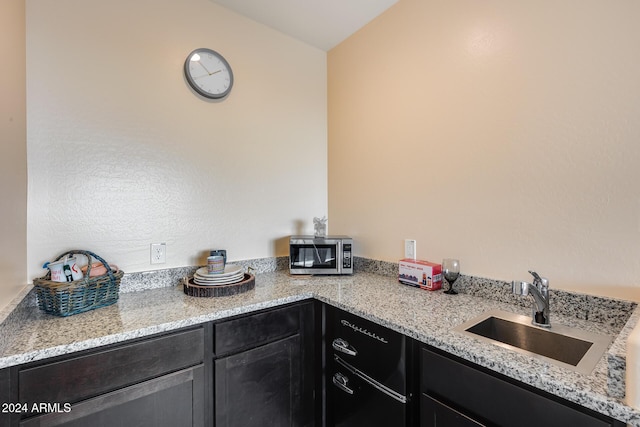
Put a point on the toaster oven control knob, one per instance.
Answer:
(343, 346)
(341, 381)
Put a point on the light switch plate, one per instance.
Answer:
(410, 248)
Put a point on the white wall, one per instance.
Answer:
(122, 154)
(13, 151)
(502, 133)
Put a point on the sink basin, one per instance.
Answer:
(572, 348)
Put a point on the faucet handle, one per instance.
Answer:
(539, 281)
(520, 288)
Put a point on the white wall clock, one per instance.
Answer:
(208, 73)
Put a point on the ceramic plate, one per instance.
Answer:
(227, 281)
(217, 279)
(229, 270)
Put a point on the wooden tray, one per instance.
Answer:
(194, 290)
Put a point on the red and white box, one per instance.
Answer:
(423, 274)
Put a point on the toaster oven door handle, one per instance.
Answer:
(343, 346)
(373, 383)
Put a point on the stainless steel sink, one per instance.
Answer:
(572, 348)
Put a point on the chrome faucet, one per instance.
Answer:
(539, 290)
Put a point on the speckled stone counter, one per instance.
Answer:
(429, 317)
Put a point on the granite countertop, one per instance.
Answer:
(429, 317)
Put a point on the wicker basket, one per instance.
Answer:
(88, 293)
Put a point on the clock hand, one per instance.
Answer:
(205, 68)
(210, 74)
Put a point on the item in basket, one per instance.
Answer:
(57, 271)
(98, 269)
(66, 270)
(66, 299)
(67, 273)
(76, 273)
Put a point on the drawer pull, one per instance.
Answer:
(341, 382)
(343, 346)
(366, 378)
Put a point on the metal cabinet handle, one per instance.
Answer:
(341, 382)
(343, 346)
(364, 377)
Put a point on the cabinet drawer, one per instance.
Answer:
(495, 401)
(255, 330)
(436, 414)
(168, 401)
(77, 378)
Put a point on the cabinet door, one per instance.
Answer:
(500, 402)
(173, 400)
(436, 414)
(80, 377)
(260, 387)
(5, 397)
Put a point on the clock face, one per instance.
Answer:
(208, 73)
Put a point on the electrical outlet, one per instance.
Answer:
(410, 248)
(158, 253)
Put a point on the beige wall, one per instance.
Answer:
(505, 134)
(122, 154)
(13, 151)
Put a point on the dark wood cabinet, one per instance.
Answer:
(260, 387)
(467, 395)
(156, 381)
(75, 378)
(173, 400)
(436, 414)
(257, 369)
(266, 375)
(260, 369)
(6, 412)
(250, 331)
